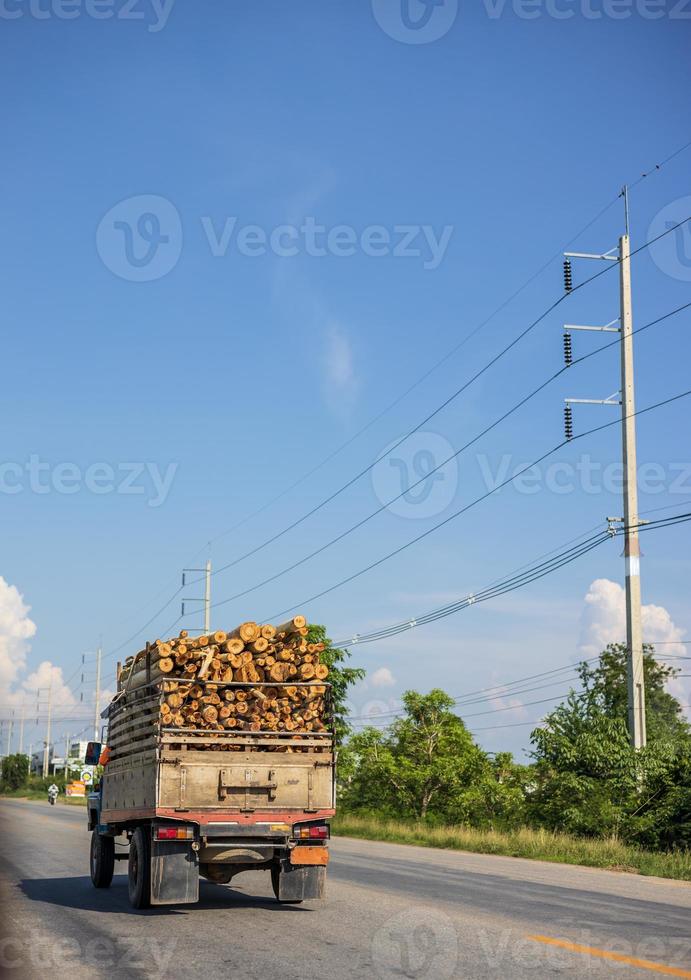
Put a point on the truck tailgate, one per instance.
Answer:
(246, 781)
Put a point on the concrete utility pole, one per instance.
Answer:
(634, 631)
(630, 520)
(207, 593)
(46, 747)
(207, 598)
(97, 709)
(9, 733)
(21, 729)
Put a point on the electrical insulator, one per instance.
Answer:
(568, 278)
(568, 350)
(568, 422)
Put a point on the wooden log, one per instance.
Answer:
(179, 666)
(293, 625)
(234, 645)
(278, 673)
(248, 632)
(206, 663)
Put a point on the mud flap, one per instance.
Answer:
(174, 873)
(298, 883)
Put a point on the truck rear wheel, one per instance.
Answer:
(139, 869)
(101, 860)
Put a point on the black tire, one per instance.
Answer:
(275, 878)
(101, 860)
(139, 869)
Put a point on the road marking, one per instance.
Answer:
(604, 954)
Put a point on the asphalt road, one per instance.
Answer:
(391, 912)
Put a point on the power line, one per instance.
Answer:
(478, 374)
(508, 585)
(511, 707)
(507, 689)
(446, 356)
(500, 691)
(659, 166)
(417, 383)
(454, 455)
(404, 394)
(477, 500)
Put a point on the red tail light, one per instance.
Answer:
(174, 833)
(314, 832)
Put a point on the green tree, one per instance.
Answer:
(589, 780)
(15, 771)
(585, 773)
(341, 677)
(605, 688)
(497, 800)
(422, 766)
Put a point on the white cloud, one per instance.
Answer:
(46, 676)
(338, 358)
(339, 381)
(382, 678)
(16, 629)
(604, 621)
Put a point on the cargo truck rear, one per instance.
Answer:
(190, 802)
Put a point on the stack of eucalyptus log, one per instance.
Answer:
(274, 665)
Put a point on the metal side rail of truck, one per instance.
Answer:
(191, 802)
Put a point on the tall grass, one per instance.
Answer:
(540, 845)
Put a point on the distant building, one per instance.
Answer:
(77, 751)
(57, 764)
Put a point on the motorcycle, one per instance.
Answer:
(52, 796)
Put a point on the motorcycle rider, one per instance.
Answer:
(52, 793)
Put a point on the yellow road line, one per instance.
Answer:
(604, 954)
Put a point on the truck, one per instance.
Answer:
(180, 804)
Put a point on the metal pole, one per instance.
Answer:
(634, 634)
(207, 599)
(97, 710)
(21, 729)
(46, 748)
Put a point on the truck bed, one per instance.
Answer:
(194, 774)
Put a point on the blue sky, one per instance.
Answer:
(160, 173)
